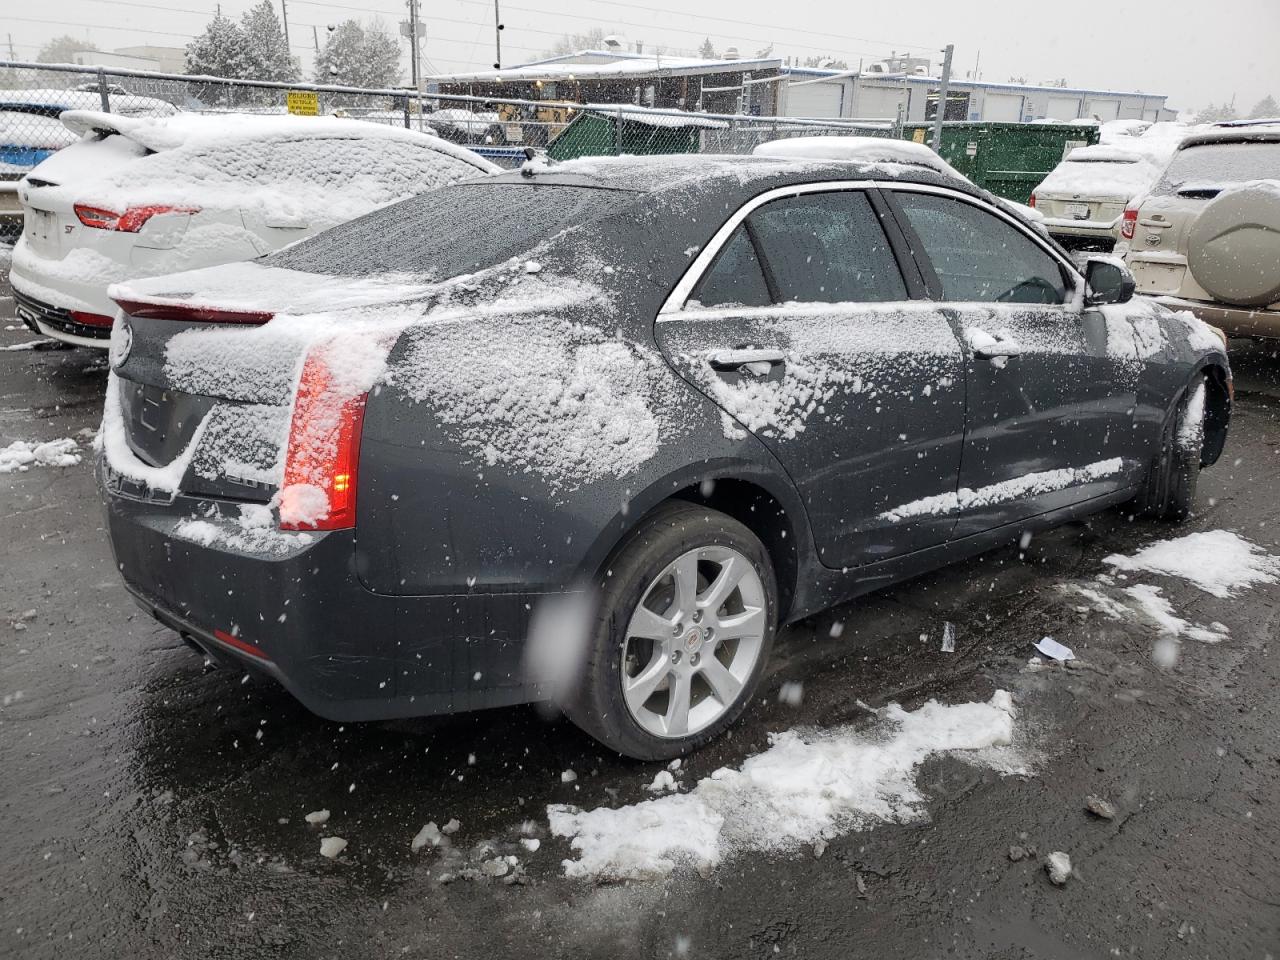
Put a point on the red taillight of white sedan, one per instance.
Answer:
(131, 221)
(1129, 224)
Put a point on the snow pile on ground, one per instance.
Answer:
(20, 456)
(1029, 485)
(1160, 611)
(1217, 561)
(807, 787)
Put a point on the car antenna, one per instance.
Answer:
(529, 168)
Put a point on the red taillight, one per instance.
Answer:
(191, 312)
(92, 319)
(1031, 201)
(1129, 224)
(239, 644)
(319, 489)
(131, 221)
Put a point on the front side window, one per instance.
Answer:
(977, 256)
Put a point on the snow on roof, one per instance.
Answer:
(857, 149)
(656, 119)
(197, 130)
(622, 65)
(125, 103)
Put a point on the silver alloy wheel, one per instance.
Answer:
(693, 641)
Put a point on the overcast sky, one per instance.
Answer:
(1195, 51)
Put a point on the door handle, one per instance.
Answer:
(743, 357)
(998, 349)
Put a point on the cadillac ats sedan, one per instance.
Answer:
(704, 396)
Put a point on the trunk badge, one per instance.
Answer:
(121, 344)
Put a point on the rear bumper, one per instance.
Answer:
(1234, 321)
(50, 321)
(297, 612)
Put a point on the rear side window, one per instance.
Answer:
(735, 278)
(826, 248)
(977, 256)
(459, 229)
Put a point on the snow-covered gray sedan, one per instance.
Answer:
(706, 395)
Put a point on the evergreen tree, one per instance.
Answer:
(706, 51)
(219, 51)
(359, 56)
(1265, 109)
(1216, 114)
(265, 54)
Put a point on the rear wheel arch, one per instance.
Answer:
(763, 504)
(1217, 410)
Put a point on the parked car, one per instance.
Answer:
(1083, 198)
(704, 395)
(140, 197)
(1207, 237)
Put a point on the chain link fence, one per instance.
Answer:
(33, 95)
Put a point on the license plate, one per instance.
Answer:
(1078, 211)
(1159, 277)
(42, 228)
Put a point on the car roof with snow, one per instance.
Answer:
(1264, 133)
(729, 173)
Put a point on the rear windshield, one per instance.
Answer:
(1217, 164)
(452, 231)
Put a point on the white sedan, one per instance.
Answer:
(142, 197)
(1083, 198)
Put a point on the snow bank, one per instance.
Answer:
(1160, 612)
(20, 456)
(1217, 561)
(807, 787)
(1029, 485)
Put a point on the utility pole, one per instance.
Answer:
(942, 98)
(284, 19)
(315, 39)
(12, 55)
(497, 36)
(413, 43)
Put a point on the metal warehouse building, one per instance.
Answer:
(808, 92)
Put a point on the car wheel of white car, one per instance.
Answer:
(1234, 246)
(686, 624)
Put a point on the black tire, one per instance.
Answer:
(1170, 489)
(597, 704)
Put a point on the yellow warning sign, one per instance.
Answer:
(304, 103)
(917, 136)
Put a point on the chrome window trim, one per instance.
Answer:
(675, 302)
(693, 273)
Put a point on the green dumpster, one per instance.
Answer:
(1009, 159)
(595, 132)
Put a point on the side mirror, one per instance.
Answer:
(1109, 282)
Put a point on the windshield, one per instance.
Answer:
(1218, 164)
(449, 232)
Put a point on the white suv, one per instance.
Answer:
(1207, 237)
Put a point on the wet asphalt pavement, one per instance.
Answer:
(150, 807)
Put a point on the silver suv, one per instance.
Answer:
(1207, 236)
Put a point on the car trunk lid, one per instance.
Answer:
(206, 365)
